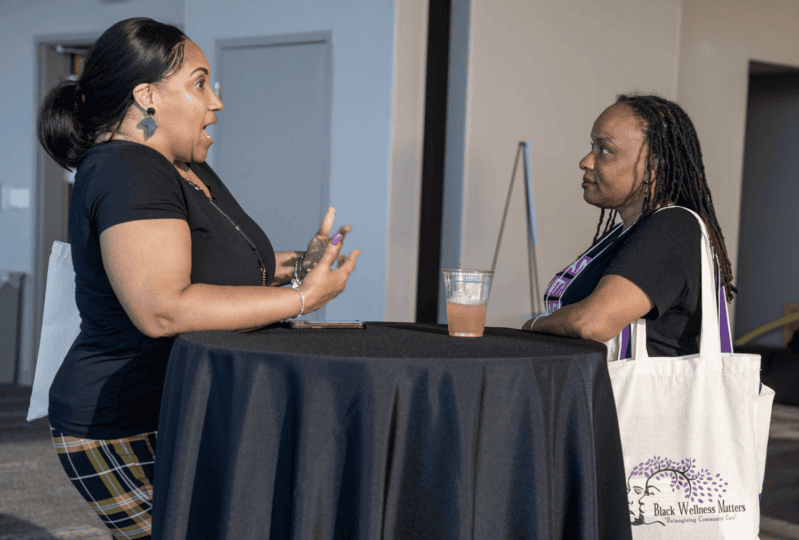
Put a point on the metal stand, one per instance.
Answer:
(536, 299)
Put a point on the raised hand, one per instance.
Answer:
(317, 245)
(323, 282)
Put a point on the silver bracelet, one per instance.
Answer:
(534, 320)
(302, 297)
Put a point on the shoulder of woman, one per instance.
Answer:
(117, 161)
(128, 153)
(128, 184)
(674, 221)
(125, 172)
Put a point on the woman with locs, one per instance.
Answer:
(160, 247)
(645, 162)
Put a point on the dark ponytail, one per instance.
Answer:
(131, 52)
(58, 126)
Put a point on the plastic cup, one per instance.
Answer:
(467, 301)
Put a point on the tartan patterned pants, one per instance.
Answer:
(115, 476)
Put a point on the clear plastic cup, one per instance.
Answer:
(467, 301)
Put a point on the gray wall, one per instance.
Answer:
(21, 22)
(542, 71)
(360, 158)
(768, 256)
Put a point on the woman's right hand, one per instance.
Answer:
(323, 282)
(316, 247)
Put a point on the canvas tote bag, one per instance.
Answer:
(694, 431)
(60, 326)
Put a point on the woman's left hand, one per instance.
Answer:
(317, 245)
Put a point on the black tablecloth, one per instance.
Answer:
(395, 431)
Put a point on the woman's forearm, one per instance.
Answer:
(615, 303)
(213, 307)
(148, 263)
(560, 322)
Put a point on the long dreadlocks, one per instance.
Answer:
(679, 171)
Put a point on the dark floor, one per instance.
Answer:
(37, 502)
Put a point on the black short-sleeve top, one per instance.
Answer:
(110, 383)
(661, 255)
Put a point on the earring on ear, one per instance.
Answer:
(149, 123)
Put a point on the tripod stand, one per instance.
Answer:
(536, 299)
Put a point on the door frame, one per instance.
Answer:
(46, 168)
(749, 311)
(325, 37)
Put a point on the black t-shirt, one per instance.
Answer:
(110, 383)
(662, 256)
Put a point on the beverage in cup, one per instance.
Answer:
(467, 301)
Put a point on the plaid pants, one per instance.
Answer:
(115, 476)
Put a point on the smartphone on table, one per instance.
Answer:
(327, 324)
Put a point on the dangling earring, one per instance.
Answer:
(149, 123)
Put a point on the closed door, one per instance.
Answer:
(272, 146)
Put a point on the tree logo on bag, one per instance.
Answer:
(662, 491)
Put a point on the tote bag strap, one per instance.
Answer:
(620, 347)
(709, 339)
(724, 318)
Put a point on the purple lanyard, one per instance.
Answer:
(562, 280)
